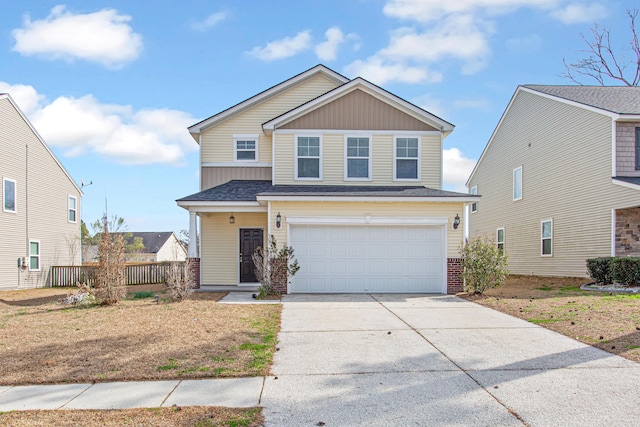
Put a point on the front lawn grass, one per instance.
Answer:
(605, 320)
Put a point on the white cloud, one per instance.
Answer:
(525, 45)
(472, 104)
(327, 50)
(104, 37)
(578, 13)
(210, 22)
(80, 125)
(380, 72)
(283, 48)
(456, 169)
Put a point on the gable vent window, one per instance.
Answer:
(407, 159)
(474, 205)
(308, 157)
(358, 159)
(73, 209)
(8, 195)
(517, 183)
(246, 148)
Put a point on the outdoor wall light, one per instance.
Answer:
(232, 219)
(456, 222)
(278, 220)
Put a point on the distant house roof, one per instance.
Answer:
(152, 240)
(616, 99)
(248, 191)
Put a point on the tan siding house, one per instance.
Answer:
(559, 177)
(342, 170)
(40, 214)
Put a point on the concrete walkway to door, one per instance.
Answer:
(385, 360)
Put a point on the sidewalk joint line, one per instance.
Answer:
(76, 396)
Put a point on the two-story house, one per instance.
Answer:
(343, 171)
(560, 178)
(40, 215)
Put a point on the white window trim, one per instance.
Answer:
(370, 158)
(74, 209)
(543, 238)
(504, 237)
(295, 155)
(245, 137)
(15, 195)
(395, 158)
(474, 205)
(513, 194)
(38, 255)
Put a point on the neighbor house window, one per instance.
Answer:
(73, 209)
(8, 195)
(407, 158)
(547, 237)
(517, 183)
(358, 158)
(246, 148)
(637, 148)
(474, 205)
(34, 255)
(308, 157)
(500, 239)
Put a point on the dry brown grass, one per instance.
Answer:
(44, 342)
(157, 417)
(607, 321)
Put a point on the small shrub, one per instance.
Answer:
(625, 270)
(274, 267)
(484, 265)
(143, 294)
(180, 280)
(600, 269)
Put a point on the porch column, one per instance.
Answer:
(193, 236)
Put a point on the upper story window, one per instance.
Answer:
(500, 239)
(517, 183)
(245, 148)
(637, 148)
(34, 255)
(308, 161)
(407, 158)
(73, 209)
(547, 238)
(358, 159)
(474, 205)
(8, 195)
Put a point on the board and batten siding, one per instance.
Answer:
(333, 155)
(219, 257)
(566, 158)
(41, 214)
(217, 175)
(374, 209)
(626, 149)
(217, 142)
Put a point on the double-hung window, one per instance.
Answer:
(547, 238)
(308, 164)
(34, 255)
(500, 239)
(245, 148)
(474, 205)
(358, 158)
(72, 209)
(8, 195)
(407, 159)
(517, 183)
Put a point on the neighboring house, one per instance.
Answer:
(560, 178)
(343, 171)
(40, 214)
(153, 247)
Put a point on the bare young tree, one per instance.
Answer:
(603, 63)
(110, 284)
(274, 268)
(180, 280)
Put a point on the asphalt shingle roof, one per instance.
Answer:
(238, 190)
(616, 99)
(152, 240)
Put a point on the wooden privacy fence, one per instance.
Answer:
(135, 274)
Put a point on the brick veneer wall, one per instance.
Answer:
(455, 282)
(195, 271)
(628, 232)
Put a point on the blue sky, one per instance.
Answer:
(113, 85)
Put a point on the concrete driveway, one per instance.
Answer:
(398, 360)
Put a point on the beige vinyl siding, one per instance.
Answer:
(626, 149)
(358, 110)
(377, 209)
(217, 142)
(565, 154)
(221, 245)
(212, 176)
(43, 189)
(333, 155)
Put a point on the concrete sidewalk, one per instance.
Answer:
(230, 392)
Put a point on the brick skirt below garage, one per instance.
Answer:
(455, 282)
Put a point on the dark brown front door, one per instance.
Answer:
(250, 239)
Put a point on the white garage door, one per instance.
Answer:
(368, 258)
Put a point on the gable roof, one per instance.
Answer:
(152, 240)
(44, 144)
(368, 87)
(615, 99)
(266, 94)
